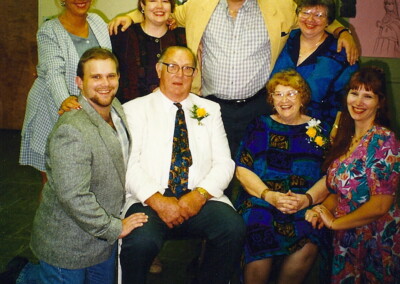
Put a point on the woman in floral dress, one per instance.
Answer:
(362, 177)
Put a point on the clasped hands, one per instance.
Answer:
(287, 203)
(319, 216)
(175, 211)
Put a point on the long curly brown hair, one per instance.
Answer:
(371, 78)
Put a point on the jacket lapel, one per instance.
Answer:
(108, 136)
(101, 35)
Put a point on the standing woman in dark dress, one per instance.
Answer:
(311, 51)
(139, 47)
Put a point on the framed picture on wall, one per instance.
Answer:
(377, 25)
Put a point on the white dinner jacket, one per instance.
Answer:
(152, 125)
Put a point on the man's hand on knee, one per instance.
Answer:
(191, 203)
(167, 209)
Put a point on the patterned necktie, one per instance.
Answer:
(181, 157)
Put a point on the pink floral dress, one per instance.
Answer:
(371, 253)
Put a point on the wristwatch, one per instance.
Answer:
(343, 30)
(203, 192)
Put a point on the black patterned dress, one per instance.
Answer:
(285, 159)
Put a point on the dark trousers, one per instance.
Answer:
(217, 222)
(237, 114)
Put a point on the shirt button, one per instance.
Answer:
(158, 55)
(87, 42)
(157, 40)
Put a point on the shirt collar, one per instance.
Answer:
(169, 104)
(245, 6)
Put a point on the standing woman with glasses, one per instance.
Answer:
(61, 42)
(311, 51)
(278, 160)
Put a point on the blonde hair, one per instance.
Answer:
(292, 79)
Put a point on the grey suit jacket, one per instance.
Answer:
(77, 221)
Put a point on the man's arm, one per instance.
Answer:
(219, 172)
(139, 183)
(167, 209)
(70, 161)
(192, 202)
(345, 40)
(222, 166)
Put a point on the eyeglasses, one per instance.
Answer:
(318, 16)
(291, 95)
(174, 68)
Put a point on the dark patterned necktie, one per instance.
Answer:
(181, 157)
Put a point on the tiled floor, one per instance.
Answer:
(19, 189)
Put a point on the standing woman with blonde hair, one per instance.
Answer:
(61, 41)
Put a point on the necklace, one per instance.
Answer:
(356, 139)
(306, 52)
(77, 28)
(233, 13)
(234, 7)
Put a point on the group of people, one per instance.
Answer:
(240, 93)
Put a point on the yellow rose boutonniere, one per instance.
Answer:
(198, 113)
(314, 132)
(311, 132)
(319, 141)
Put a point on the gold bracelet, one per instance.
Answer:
(330, 225)
(265, 191)
(343, 30)
(203, 192)
(310, 199)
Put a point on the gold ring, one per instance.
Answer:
(315, 215)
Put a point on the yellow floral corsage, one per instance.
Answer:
(198, 113)
(314, 132)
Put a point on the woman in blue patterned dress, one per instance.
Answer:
(311, 51)
(61, 42)
(278, 160)
(362, 178)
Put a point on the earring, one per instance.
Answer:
(62, 3)
(142, 11)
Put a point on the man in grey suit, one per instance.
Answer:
(77, 224)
